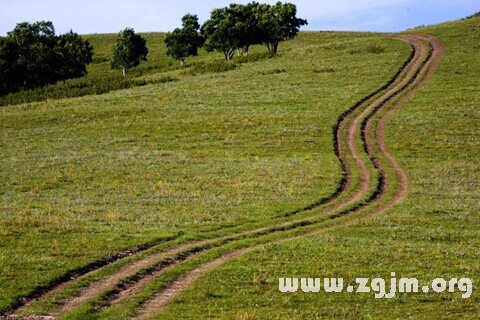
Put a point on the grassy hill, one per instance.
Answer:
(434, 233)
(228, 147)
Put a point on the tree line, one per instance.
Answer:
(32, 55)
(235, 29)
(231, 29)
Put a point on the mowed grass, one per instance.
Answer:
(434, 233)
(82, 178)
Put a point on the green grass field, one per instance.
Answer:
(216, 151)
(434, 233)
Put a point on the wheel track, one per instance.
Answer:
(417, 79)
(62, 281)
(140, 272)
(128, 290)
(131, 283)
(204, 245)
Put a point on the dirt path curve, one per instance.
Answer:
(350, 137)
(365, 180)
(412, 82)
(129, 270)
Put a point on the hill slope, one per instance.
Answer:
(215, 154)
(432, 234)
(90, 176)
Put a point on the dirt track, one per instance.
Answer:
(350, 126)
(423, 65)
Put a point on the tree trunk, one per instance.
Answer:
(245, 50)
(273, 47)
(229, 54)
(124, 71)
(182, 62)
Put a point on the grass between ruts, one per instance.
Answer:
(434, 233)
(89, 176)
(128, 307)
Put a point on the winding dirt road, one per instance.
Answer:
(428, 51)
(362, 193)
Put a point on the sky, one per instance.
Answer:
(111, 16)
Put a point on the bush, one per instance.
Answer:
(211, 67)
(324, 70)
(164, 79)
(77, 88)
(254, 57)
(273, 71)
(97, 60)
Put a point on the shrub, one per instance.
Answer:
(324, 70)
(77, 88)
(211, 67)
(254, 57)
(273, 71)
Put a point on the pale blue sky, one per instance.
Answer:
(101, 16)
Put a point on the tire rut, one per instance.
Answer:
(127, 277)
(131, 283)
(414, 80)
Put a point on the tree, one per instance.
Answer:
(129, 51)
(74, 54)
(279, 23)
(31, 55)
(184, 42)
(218, 33)
(232, 28)
(37, 59)
(237, 27)
(246, 28)
(9, 69)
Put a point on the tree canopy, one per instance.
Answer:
(237, 27)
(278, 23)
(129, 50)
(74, 53)
(184, 42)
(31, 55)
(219, 31)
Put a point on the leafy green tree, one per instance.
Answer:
(184, 42)
(10, 79)
(278, 23)
(37, 59)
(218, 33)
(232, 28)
(31, 55)
(246, 28)
(74, 54)
(237, 27)
(129, 51)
